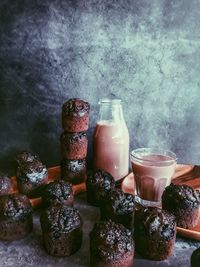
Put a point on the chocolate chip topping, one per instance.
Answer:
(121, 202)
(60, 218)
(5, 183)
(180, 197)
(155, 223)
(57, 191)
(25, 156)
(15, 206)
(74, 165)
(34, 171)
(111, 240)
(75, 107)
(72, 137)
(101, 180)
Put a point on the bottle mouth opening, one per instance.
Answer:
(114, 101)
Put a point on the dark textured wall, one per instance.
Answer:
(145, 52)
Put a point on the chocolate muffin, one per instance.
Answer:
(182, 201)
(73, 145)
(25, 156)
(75, 115)
(195, 258)
(111, 245)
(62, 230)
(98, 184)
(155, 233)
(16, 219)
(74, 171)
(30, 177)
(5, 184)
(58, 191)
(119, 207)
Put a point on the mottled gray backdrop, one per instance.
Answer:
(145, 52)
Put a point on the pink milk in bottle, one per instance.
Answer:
(111, 140)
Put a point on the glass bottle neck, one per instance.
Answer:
(111, 111)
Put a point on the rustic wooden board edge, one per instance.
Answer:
(188, 233)
(53, 174)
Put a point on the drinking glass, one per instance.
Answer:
(153, 169)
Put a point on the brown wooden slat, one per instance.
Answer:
(53, 174)
(192, 175)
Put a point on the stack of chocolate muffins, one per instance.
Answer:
(74, 142)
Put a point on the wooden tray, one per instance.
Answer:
(184, 174)
(53, 174)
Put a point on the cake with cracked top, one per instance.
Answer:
(31, 176)
(61, 229)
(16, 220)
(111, 245)
(75, 115)
(57, 192)
(119, 207)
(74, 171)
(184, 203)
(98, 184)
(155, 233)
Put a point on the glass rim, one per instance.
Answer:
(138, 154)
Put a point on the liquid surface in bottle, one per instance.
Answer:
(111, 148)
(152, 174)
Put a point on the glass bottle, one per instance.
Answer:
(111, 140)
